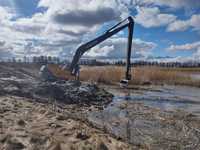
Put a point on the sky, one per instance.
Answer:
(164, 29)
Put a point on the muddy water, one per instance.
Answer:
(152, 116)
(163, 97)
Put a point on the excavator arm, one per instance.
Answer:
(127, 23)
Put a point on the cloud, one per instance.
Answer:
(103, 51)
(34, 25)
(2, 43)
(187, 4)
(116, 47)
(59, 27)
(5, 13)
(83, 13)
(178, 25)
(152, 17)
(34, 36)
(197, 54)
(86, 18)
(5, 50)
(193, 47)
(182, 25)
(185, 47)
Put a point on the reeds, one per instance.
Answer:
(140, 75)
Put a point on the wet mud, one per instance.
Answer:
(71, 115)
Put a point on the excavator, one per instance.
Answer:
(73, 68)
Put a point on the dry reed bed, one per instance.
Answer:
(140, 75)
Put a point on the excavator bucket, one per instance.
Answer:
(123, 83)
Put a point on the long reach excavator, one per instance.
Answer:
(73, 68)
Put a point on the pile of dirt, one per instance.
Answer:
(69, 92)
(72, 92)
(23, 82)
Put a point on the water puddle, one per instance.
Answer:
(166, 97)
(141, 116)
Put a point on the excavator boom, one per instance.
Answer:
(127, 23)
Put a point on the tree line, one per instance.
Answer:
(95, 62)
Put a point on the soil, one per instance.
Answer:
(50, 115)
(25, 124)
(71, 115)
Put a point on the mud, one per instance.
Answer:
(148, 127)
(18, 82)
(71, 115)
(72, 92)
(50, 115)
(29, 125)
(152, 117)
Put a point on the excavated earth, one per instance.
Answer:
(37, 115)
(72, 115)
(18, 82)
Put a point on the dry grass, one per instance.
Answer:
(157, 75)
(140, 75)
(188, 70)
(105, 75)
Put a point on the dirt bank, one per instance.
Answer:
(25, 124)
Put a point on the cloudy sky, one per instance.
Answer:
(164, 28)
